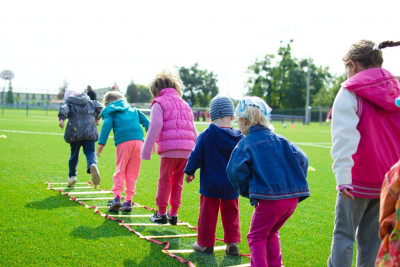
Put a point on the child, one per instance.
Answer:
(365, 144)
(173, 129)
(271, 172)
(128, 138)
(211, 154)
(82, 114)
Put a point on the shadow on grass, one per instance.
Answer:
(50, 203)
(106, 229)
(156, 257)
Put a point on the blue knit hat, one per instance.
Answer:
(221, 106)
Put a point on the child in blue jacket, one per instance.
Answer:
(211, 154)
(271, 172)
(126, 123)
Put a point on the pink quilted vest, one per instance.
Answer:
(177, 132)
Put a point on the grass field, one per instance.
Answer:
(43, 227)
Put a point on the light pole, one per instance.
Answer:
(307, 115)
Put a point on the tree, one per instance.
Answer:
(132, 94)
(62, 89)
(282, 80)
(199, 86)
(144, 94)
(9, 95)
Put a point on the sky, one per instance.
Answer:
(102, 42)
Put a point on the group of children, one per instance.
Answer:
(253, 161)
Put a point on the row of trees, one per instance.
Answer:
(280, 79)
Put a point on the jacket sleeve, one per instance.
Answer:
(144, 121)
(196, 158)
(301, 158)
(345, 136)
(63, 112)
(105, 129)
(155, 127)
(98, 107)
(239, 171)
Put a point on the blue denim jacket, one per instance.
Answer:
(265, 165)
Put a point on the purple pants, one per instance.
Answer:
(263, 237)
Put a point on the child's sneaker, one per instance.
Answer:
(94, 171)
(232, 249)
(172, 219)
(126, 206)
(159, 219)
(115, 204)
(206, 250)
(72, 180)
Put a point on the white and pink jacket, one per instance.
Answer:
(366, 131)
(171, 126)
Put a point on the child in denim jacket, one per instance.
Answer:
(271, 172)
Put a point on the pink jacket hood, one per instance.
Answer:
(386, 87)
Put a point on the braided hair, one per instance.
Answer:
(367, 53)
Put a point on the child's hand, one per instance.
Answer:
(99, 149)
(189, 178)
(346, 194)
(61, 124)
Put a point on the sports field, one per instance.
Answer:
(43, 227)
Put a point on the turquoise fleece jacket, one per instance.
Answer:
(125, 122)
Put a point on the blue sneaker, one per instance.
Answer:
(126, 206)
(115, 204)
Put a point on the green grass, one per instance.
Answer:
(40, 226)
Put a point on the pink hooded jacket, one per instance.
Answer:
(377, 132)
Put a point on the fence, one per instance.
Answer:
(318, 114)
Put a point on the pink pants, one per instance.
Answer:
(170, 184)
(127, 167)
(263, 237)
(207, 223)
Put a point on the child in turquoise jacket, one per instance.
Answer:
(125, 122)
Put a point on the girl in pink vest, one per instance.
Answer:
(172, 128)
(365, 144)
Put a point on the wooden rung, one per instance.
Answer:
(190, 250)
(67, 183)
(168, 236)
(152, 224)
(90, 193)
(72, 187)
(131, 215)
(95, 198)
(241, 265)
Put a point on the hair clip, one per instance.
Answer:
(376, 47)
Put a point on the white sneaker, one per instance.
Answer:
(72, 180)
(95, 174)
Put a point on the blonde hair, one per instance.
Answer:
(112, 96)
(255, 116)
(166, 79)
(367, 53)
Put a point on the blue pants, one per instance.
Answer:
(88, 149)
(356, 220)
